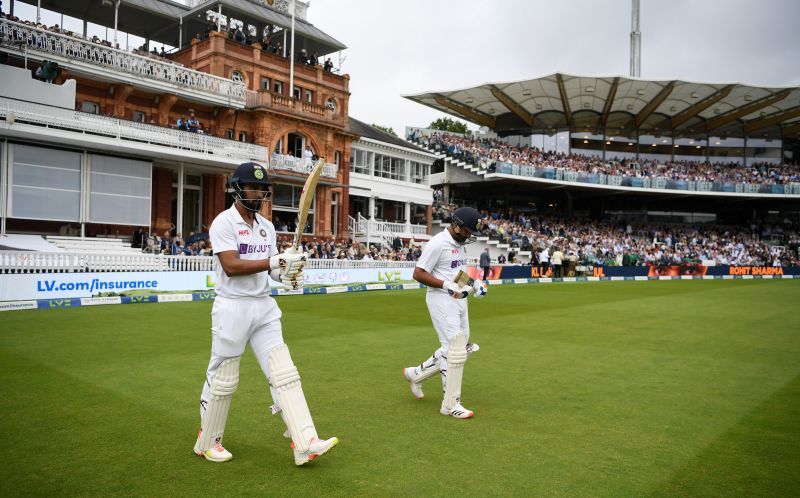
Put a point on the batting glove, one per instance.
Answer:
(294, 282)
(479, 289)
(288, 263)
(457, 291)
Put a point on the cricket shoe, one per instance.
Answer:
(216, 453)
(416, 388)
(457, 411)
(316, 449)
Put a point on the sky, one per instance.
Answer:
(413, 46)
(405, 47)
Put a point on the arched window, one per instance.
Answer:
(237, 76)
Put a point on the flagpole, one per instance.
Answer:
(291, 56)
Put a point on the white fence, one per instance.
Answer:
(298, 165)
(66, 262)
(68, 49)
(14, 111)
(362, 226)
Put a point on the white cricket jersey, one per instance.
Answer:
(442, 257)
(229, 232)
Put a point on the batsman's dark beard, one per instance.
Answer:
(251, 204)
(459, 237)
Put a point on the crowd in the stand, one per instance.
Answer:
(199, 244)
(267, 42)
(141, 51)
(616, 243)
(483, 152)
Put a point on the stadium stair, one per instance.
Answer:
(93, 245)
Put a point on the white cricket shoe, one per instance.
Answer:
(216, 453)
(316, 449)
(457, 411)
(416, 388)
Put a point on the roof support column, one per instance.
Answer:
(219, 17)
(604, 144)
(745, 151)
(38, 11)
(180, 33)
(116, 21)
(672, 147)
(179, 214)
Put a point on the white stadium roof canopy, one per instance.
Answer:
(624, 106)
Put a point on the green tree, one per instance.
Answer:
(447, 124)
(384, 128)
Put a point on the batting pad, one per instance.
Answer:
(222, 387)
(456, 357)
(286, 380)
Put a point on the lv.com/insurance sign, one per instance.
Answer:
(65, 285)
(21, 287)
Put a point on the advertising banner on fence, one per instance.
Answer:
(19, 287)
(685, 270)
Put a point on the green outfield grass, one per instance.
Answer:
(605, 389)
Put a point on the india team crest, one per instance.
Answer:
(258, 173)
(262, 232)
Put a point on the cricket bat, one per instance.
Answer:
(306, 197)
(462, 278)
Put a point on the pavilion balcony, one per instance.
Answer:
(294, 107)
(29, 120)
(106, 63)
(298, 165)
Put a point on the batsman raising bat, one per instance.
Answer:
(440, 268)
(246, 253)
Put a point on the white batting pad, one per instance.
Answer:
(223, 385)
(456, 357)
(285, 378)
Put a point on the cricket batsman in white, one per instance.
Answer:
(245, 249)
(438, 267)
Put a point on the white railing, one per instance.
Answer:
(70, 262)
(14, 111)
(71, 49)
(345, 264)
(298, 165)
(378, 228)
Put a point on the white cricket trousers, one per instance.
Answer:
(449, 316)
(234, 324)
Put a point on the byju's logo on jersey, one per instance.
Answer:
(254, 248)
(458, 262)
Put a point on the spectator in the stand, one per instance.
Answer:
(314, 60)
(138, 240)
(163, 52)
(485, 262)
(544, 261)
(557, 261)
(328, 67)
(182, 123)
(308, 157)
(193, 124)
(501, 260)
(303, 57)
